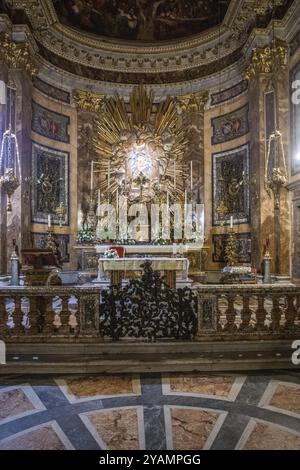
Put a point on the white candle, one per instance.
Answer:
(49, 221)
(174, 174)
(231, 221)
(117, 201)
(191, 176)
(108, 179)
(99, 201)
(92, 175)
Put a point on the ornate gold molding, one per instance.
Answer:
(88, 101)
(17, 55)
(267, 59)
(247, 14)
(193, 102)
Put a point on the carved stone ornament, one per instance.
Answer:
(88, 101)
(193, 102)
(17, 55)
(268, 59)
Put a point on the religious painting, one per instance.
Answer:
(231, 125)
(50, 124)
(230, 172)
(144, 20)
(39, 240)
(50, 171)
(229, 93)
(243, 247)
(52, 91)
(295, 120)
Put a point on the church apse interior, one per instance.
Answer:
(149, 224)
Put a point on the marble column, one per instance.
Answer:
(19, 220)
(3, 259)
(265, 222)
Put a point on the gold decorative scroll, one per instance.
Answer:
(267, 59)
(193, 102)
(88, 101)
(17, 55)
(159, 137)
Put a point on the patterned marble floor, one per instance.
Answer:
(172, 411)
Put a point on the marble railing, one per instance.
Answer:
(71, 314)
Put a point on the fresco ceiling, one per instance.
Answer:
(141, 20)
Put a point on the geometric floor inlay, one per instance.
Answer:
(118, 429)
(18, 401)
(79, 389)
(224, 387)
(260, 435)
(283, 397)
(192, 429)
(183, 411)
(45, 437)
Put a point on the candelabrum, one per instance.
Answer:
(92, 216)
(276, 171)
(60, 211)
(10, 165)
(231, 254)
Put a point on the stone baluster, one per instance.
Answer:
(33, 316)
(230, 314)
(290, 313)
(64, 315)
(46, 314)
(74, 319)
(18, 317)
(260, 314)
(246, 313)
(3, 317)
(276, 313)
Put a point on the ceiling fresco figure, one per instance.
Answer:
(140, 19)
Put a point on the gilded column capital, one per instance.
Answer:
(269, 59)
(88, 101)
(193, 102)
(17, 55)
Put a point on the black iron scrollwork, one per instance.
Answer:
(148, 308)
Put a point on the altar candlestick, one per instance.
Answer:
(108, 178)
(191, 176)
(49, 221)
(99, 201)
(174, 174)
(185, 209)
(92, 175)
(231, 221)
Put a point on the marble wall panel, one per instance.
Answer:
(50, 124)
(229, 93)
(50, 172)
(231, 125)
(229, 168)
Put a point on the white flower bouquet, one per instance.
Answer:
(110, 254)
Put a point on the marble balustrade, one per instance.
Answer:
(71, 313)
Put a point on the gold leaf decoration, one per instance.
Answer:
(141, 148)
(17, 55)
(88, 101)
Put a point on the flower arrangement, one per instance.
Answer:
(124, 241)
(110, 254)
(160, 241)
(85, 236)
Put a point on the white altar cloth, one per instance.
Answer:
(152, 249)
(135, 264)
